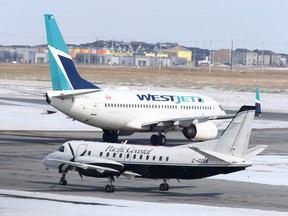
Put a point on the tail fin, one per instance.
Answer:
(234, 141)
(257, 103)
(64, 74)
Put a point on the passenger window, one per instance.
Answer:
(167, 158)
(127, 156)
(107, 155)
(147, 157)
(134, 156)
(114, 155)
(154, 157)
(160, 158)
(101, 154)
(120, 155)
(141, 156)
(89, 153)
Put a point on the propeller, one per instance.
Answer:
(69, 167)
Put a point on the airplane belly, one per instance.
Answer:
(180, 171)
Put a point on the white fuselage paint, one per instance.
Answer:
(136, 154)
(129, 110)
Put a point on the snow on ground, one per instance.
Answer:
(266, 169)
(32, 204)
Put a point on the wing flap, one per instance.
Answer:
(186, 122)
(130, 174)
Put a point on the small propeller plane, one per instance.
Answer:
(229, 153)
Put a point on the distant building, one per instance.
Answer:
(221, 56)
(240, 56)
(251, 58)
(184, 55)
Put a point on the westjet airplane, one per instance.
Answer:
(124, 112)
(230, 153)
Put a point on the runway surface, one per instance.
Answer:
(21, 168)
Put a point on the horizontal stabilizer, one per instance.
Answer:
(69, 95)
(255, 150)
(222, 158)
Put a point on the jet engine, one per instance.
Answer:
(201, 131)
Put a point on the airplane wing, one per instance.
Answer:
(186, 122)
(85, 166)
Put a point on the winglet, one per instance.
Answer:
(257, 103)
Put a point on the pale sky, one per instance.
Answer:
(249, 23)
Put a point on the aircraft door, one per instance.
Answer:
(95, 107)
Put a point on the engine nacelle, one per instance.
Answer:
(201, 131)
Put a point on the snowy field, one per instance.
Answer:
(44, 204)
(267, 169)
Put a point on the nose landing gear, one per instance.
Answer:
(63, 181)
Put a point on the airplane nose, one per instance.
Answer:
(45, 160)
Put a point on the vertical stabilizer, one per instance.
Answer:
(234, 141)
(64, 74)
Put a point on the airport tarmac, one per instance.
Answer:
(21, 168)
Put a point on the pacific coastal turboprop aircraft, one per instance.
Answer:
(124, 112)
(230, 153)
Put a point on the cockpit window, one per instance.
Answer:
(61, 149)
(221, 107)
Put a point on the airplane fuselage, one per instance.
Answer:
(146, 161)
(127, 110)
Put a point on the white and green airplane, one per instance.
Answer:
(124, 112)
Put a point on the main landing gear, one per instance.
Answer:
(159, 139)
(109, 188)
(110, 136)
(164, 186)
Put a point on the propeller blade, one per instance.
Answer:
(71, 149)
(83, 153)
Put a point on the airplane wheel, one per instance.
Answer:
(113, 137)
(106, 135)
(154, 139)
(109, 189)
(164, 187)
(161, 140)
(63, 182)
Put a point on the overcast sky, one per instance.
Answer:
(249, 23)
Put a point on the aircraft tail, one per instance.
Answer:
(235, 139)
(64, 74)
(232, 146)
